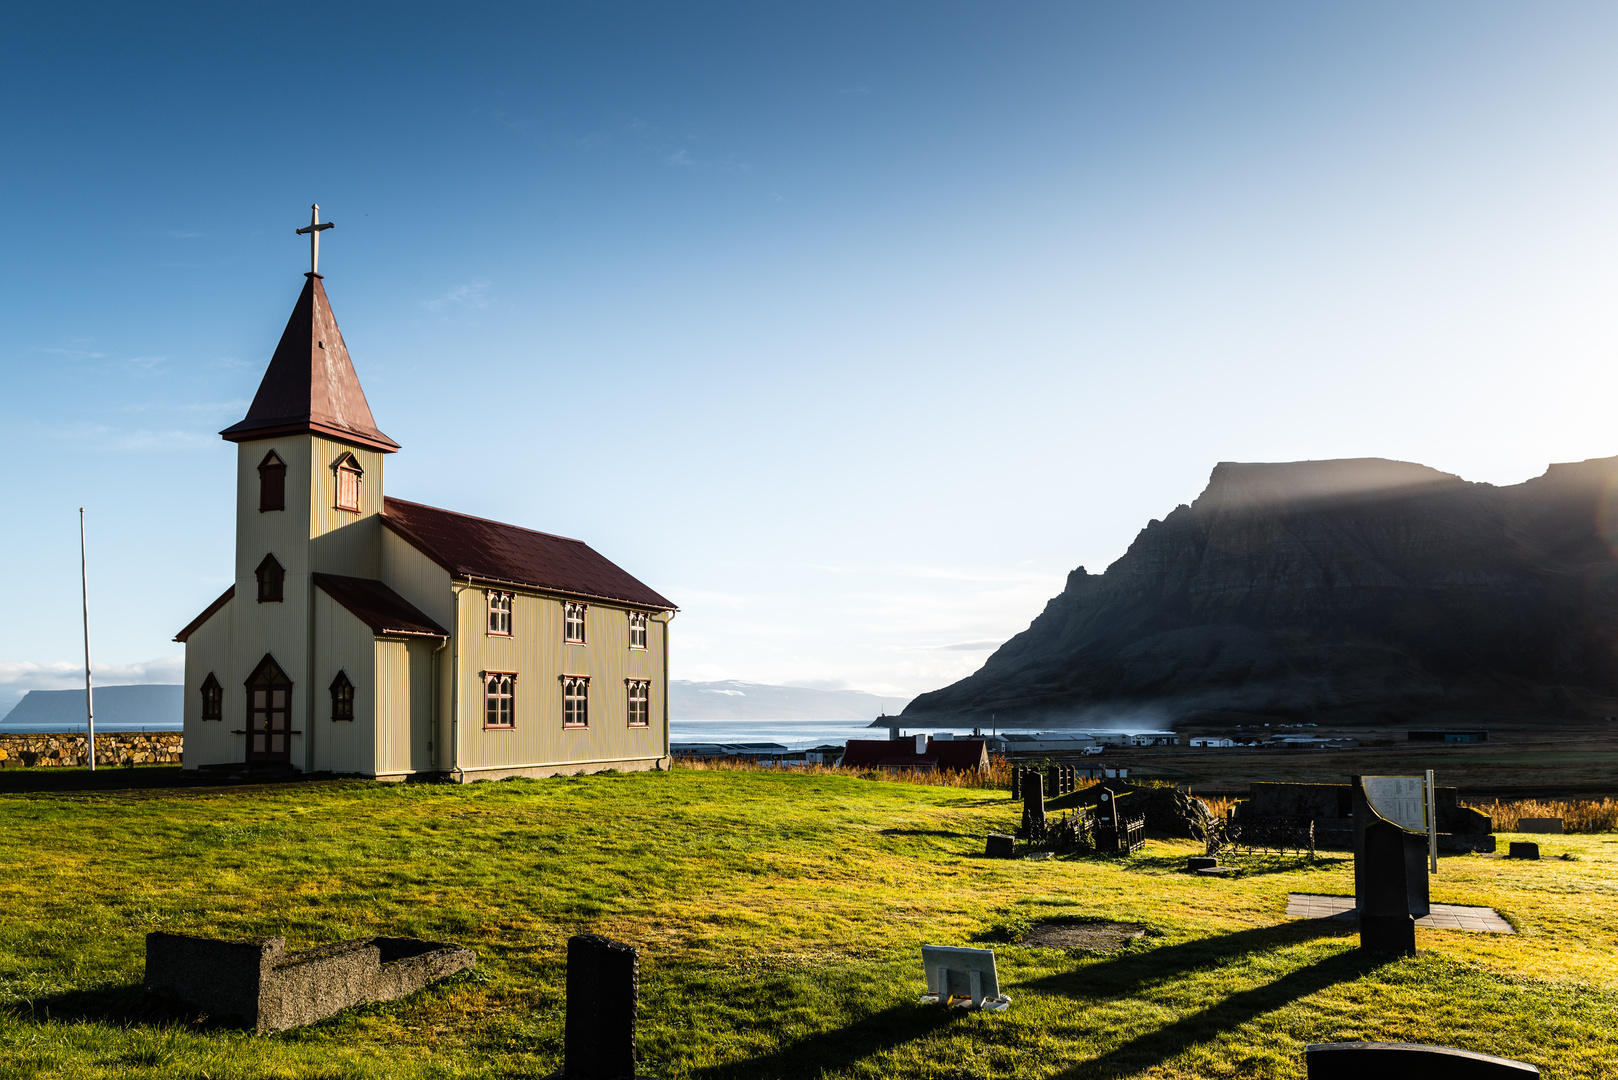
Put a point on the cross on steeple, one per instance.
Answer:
(314, 230)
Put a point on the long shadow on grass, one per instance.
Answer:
(840, 1050)
(120, 1006)
(1133, 972)
(1138, 969)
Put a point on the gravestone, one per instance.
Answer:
(603, 990)
(1053, 782)
(1001, 846)
(1016, 783)
(1033, 806)
(1408, 1061)
(1523, 849)
(1390, 864)
(1201, 862)
(1539, 824)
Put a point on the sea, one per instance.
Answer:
(792, 734)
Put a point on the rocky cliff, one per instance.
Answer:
(1355, 591)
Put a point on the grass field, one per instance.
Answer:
(779, 919)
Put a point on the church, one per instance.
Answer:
(370, 635)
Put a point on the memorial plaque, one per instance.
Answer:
(1399, 799)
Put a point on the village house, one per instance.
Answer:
(367, 634)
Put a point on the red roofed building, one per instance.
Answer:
(942, 755)
(366, 634)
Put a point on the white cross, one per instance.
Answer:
(314, 230)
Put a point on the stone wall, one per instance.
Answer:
(112, 748)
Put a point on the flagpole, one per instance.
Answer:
(89, 696)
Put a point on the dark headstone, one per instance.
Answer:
(603, 989)
(1053, 781)
(1001, 846)
(1523, 849)
(1033, 806)
(1539, 824)
(1016, 784)
(1201, 862)
(1408, 1061)
(1390, 880)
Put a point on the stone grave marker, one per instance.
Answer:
(1033, 806)
(603, 991)
(1408, 1061)
(1390, 862)
(1539, 824)
(1523, 849)
(1001, 846)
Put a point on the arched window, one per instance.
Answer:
(342, 697)
(270, 580)
(348, 473)
(213, 699)
(272, 483)
(499, 699)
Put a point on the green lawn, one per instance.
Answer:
(779, 919)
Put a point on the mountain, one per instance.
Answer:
(118, 708)
(732, 700)
(1353, 591)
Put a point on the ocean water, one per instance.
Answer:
(78, 728)
(793, 734)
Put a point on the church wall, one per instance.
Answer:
(537, 653)
(404, 705)
(341, 541)
(343, 643)
(209, 742)
(417, 578)
(282, 533)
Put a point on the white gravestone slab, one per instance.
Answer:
(964, 975)
(1400, 799)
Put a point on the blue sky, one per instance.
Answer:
(878, 319)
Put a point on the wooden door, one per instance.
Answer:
(269, 714)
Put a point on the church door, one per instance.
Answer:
(269, 713)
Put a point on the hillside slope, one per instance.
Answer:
(1353, 591)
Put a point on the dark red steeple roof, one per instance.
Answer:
(310, 385)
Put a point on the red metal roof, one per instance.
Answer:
(948, 755)
(378, 606)
(473, 547)
(207, 613)
(310, 385)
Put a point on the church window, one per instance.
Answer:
(213, 699)
(640, 700)
(499, 699)
(272, 483)
(637, 629)
(573, 622)
(342, 697)
(575, 701)
(499, 613)
(271, 578)
(348, 473)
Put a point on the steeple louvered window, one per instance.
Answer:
(271, 580)
(272, 483)
(348, 474)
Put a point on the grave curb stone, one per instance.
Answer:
(1201, 862)
(1407, 1061)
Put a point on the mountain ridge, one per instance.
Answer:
(1351, 591)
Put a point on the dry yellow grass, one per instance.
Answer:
(1578, 815)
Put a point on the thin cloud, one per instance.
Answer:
(471, 295)
(71, 354)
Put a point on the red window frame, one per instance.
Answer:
(499, 700)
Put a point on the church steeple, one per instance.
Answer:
(310, 385)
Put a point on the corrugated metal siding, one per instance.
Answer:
(404, 705)
(417, 578)
(536, 652)
(209, 742)
(343, 643)
(341, 541)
